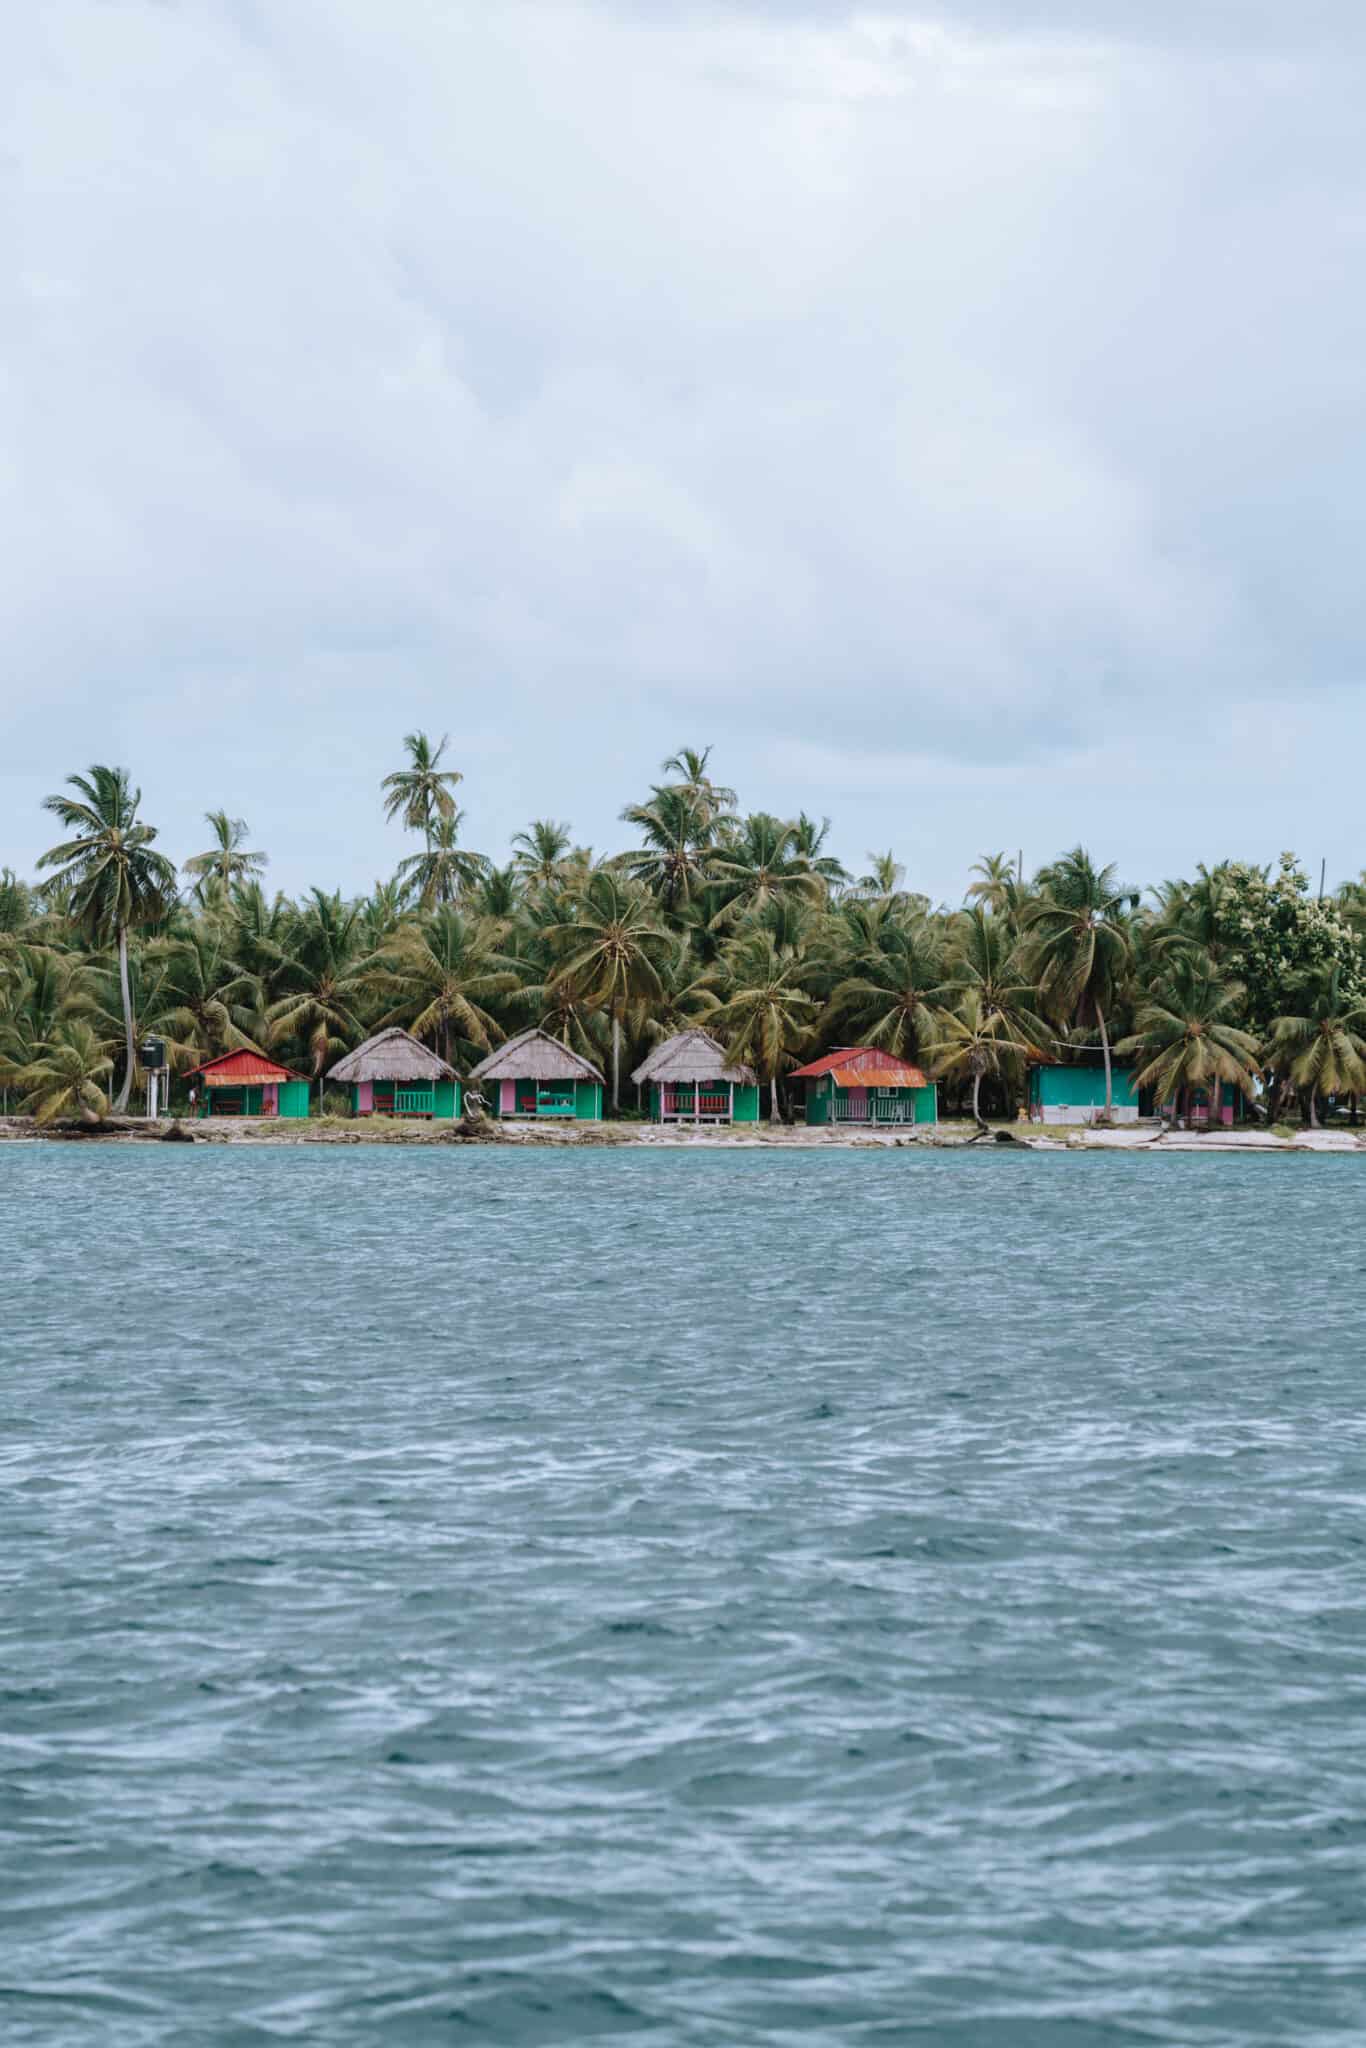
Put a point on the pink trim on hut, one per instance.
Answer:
(507, 1097)
(270, 1098)
(365, 1098)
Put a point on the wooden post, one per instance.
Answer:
(731, 1086)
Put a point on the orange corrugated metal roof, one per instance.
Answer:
(241, 1069)
(862, 1066)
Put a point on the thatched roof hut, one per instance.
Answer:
(535, 1056)
(693, 1056)
(392, 1055)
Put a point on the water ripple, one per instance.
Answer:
(702, 1600)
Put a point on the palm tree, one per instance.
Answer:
(321, 982)
(891, 1000)
(677, 826)
(972, 1040)
(1079, 943)
(561, 1010)
(497, 894)
(884, 878)
(228, 858)
(16, 903)
(256, 935)
(436, 976)
(1183, 1032)
(443, 869)
(1323, 1047)
(116, 880)
(996, 884)
(421, 793)
(689, 764)
(63, 1077)
(381, 914)
(766, 1015)
(984, 961)
(199, 999)
(538, 854)
(612, 951)
(756, 862)
(808, 845)
(40, 986)
(1190, 915)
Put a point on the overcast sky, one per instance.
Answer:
(955, 418)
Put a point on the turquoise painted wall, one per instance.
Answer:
(747, 1103)
(1082, 1087)
(587, 1101)
(447, 1098)
(926, 1104)
(293, 1098)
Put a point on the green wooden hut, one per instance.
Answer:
(394, 1074)
(691, 1081)
(1059, 1094)
(534, 1075)
(246, 1083)
(860, 1084)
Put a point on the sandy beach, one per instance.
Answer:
(949, 1136)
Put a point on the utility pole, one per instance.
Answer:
(1323, 875)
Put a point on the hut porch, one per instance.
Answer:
(698, 1102)
(863, 1085)
(534, 1076)
(394, 1074)
(246, 1083)
(691, 1081)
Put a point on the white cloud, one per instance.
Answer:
(588, 379)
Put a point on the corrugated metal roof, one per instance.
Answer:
(241, 1069)
(862, 1066)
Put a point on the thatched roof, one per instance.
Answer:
(393, 1055)
(534, 1056)
(692, 1056)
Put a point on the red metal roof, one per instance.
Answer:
(862, 1066)
(241, 1069)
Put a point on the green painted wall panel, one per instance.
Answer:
(446, 1098)
(747, 1103)
(294, 1098)
(587, 1101)
(926, 1104)
(1084, 1087)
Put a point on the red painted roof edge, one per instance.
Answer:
(245, 1052)
(846, 1055)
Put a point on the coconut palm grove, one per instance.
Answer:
(740, 923)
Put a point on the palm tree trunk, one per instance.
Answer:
(616, 1063)
(1109, 1076)
(977, 1099)
(127, 1000)
(1313, 1106)
(773, 1098)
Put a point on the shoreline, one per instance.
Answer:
(943, 1137)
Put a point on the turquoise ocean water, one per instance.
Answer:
(751, 1598)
